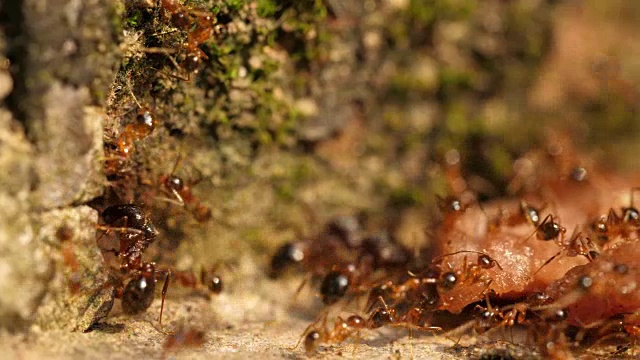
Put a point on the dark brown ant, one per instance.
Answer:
(136, 233)
(136, 230)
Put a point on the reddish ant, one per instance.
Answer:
(183, 195)
(576, 245)
(199, 28)
(342, 330)
(144, 124)
(208, 279)
(401, 314)
(184, 339)
(457, 288)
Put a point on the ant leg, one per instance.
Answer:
(306, 331)
(411, 341)
(634, 190)
(543, 222)
(306, 279)
(547, 262)
(356, 342)
(165, 287)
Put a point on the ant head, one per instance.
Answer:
(145, 118)
(215, 284)
(630, 215)
(175, 183)
(192, 62)
(287, 255)
(450, 204)
(448, 280)
(550, 230)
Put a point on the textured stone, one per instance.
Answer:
(79, 292)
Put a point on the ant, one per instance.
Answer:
(401, 314)
(342, 330)
(120, 151)
(469, 272)
(143, 125)
(137, 232)
(177, 187)
(613, 225)
(199, 28)
(577, 244)
(184, 338)
(458, 288)
(209, 279)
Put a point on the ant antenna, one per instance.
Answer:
(634, 190)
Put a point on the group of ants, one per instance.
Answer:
(398, 286)
(402, 289)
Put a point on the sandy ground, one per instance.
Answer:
(239, 324)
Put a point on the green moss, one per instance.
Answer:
(267, 8)
(406, 197)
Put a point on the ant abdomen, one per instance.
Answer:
(138, 295)
(334, 287)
